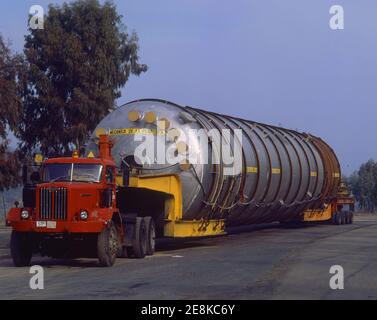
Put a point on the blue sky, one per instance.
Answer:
(271, 61)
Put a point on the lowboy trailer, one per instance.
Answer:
(107, 204)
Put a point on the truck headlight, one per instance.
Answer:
(83, 215)
(25, 214)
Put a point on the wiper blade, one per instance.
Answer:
(61, 177)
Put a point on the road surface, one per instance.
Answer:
(265, 262)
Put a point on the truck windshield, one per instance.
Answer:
(72, 172)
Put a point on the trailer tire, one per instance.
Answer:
(108, 245)
(344, 217)
(350, 217)
(139, 242)
(338, 218)
(151, 236)
(21, 248)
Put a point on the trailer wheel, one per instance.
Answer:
(348, 217)
(108, 245)
(21, 249)
(151, 235)
(338, 218)
(350, 213)
(344, 217)
(139, 242)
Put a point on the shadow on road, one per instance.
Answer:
(170, 244)
(273, 225)
(166, 245)
(49, 263)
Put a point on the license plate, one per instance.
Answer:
(51, 224)
(41, 224)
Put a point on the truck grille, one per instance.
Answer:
(53, 203)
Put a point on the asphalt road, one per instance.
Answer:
(267, 262)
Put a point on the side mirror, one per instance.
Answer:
(16, 204)
(35, 177)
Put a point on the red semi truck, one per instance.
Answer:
(72, 212)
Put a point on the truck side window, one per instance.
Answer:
(109, 175)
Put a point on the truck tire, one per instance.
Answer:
(350, 217)
(333, 218)
(125, 252)
(151, 235)
(139, 242)
(338, 218)
(108, 245)
(344, 217)
(21, 248)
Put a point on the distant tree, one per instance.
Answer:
(363, 184)
(77, 65)
(11, 82)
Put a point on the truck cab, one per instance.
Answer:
(73, 193)
(70, 210)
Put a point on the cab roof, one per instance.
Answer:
(80, 160)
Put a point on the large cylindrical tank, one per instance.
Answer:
(283, 172)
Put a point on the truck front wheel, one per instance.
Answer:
(108, 245)
(21, 248)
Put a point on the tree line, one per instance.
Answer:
(363, 184)
(68, 77)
